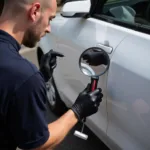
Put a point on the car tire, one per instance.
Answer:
(55, 103)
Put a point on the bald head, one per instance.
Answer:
(17, 6)
(44, 2)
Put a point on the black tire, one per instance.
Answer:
(56, 105)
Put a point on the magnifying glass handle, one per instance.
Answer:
(94, 82)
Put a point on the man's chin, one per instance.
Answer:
(30, 45)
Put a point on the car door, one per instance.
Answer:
(74, 36)
(128, 100)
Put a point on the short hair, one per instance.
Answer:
(19, 4)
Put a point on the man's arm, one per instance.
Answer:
(26, 117)
(86, 104)
(59, 129)
(27, 120)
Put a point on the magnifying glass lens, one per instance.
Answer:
(94, 62)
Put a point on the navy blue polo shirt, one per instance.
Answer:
(22, 99)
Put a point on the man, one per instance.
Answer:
(22, 86)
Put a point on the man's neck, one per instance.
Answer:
(13, 29)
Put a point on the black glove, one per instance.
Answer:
(87, 103)
(95, 58)
(49, 63)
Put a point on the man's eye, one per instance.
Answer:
(49, 21)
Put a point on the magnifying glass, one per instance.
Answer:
(93, 62)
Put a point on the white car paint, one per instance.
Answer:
(71, 8)
(122, 121)
(84, 33)
(128, 93)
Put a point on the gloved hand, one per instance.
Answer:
(95, 58)
(49, 63)
(87, 103)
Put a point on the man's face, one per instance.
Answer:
(40, 24)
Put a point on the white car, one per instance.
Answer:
(121, 28)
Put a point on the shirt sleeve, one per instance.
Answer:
(27, 121)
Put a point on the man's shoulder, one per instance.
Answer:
(20, 70)
(27, 67)
(24, 70)
(15, 67)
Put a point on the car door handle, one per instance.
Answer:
(106, 48)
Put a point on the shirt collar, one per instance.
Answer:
(9, 39)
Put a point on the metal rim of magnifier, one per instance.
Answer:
(107, 57)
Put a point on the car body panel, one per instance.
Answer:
(71, 37)
(123, 118)
(68, 77)
(128, 93)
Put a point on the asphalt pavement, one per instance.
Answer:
(72, 142)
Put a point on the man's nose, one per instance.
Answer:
(48, 29)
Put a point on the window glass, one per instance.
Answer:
(130, 11)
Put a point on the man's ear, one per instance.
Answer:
(35, 11)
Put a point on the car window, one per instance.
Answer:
(135, 12)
